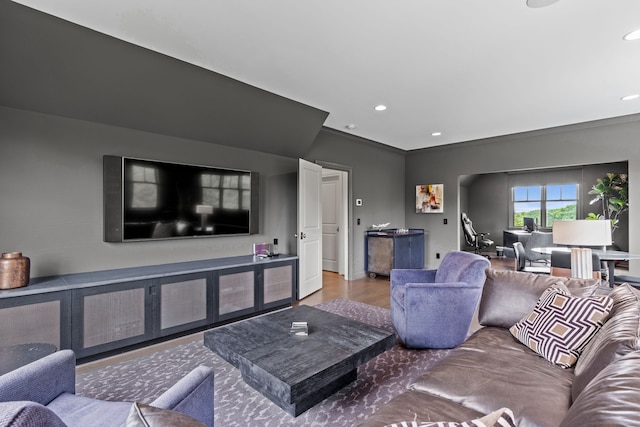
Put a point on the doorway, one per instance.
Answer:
(335, 220)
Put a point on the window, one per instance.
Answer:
(561, 202)
(545, 203)
(527, 202)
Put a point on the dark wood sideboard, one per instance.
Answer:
(97, 312)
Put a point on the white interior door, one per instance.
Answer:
(331, 220)
(309, 228)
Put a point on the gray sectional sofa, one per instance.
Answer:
(493, 370)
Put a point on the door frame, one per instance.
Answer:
(348, 273)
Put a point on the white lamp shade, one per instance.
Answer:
(582, 232)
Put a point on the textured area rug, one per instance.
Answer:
(236, 404)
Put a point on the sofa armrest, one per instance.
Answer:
(401, 277)
(41, 381)
(21, 413)
(192, 395)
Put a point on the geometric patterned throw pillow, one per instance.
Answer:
(500, 418)
(561, 325)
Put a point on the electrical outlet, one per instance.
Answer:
(445, 221)
(358, 221)
(437, 255)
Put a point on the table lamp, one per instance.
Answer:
(578, 234)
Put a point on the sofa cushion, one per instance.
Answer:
(500, 418)
(27, 414)
(620, 335)
(612, 398)
(492, 370)
(141, 415)
(561, 325)
(508, 296)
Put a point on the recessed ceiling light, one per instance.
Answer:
(540, 3)
(436, 134)
(351, 126)
(633, 35)
(630, 97)
(380, 107)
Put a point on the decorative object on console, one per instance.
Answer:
(581, 233)
(262, 249)
(380, 226)
(14, 270)
(429, 198)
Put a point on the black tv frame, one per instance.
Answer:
(114, 193)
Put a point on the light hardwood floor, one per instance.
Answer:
(367, 290)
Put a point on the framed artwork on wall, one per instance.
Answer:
(429, 198)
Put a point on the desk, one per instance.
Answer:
(610, 257)
(509, 237)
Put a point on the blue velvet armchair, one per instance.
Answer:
(434, 308)
(43, 393)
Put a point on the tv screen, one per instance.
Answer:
(148, 199)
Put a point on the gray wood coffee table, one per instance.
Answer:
(297, 372)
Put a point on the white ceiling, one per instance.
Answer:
(470, 69)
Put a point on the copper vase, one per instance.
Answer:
(14, 270)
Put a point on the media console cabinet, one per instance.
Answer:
(97, 312)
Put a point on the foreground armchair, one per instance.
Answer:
(43, 393)
(434, 308)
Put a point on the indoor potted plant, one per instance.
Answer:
(612, 190)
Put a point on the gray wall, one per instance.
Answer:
(605, 141)
(51, 191)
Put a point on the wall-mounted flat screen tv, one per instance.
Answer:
(149, 199)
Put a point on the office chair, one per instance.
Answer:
(538, 239)
(521, 261)
(477, 241)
